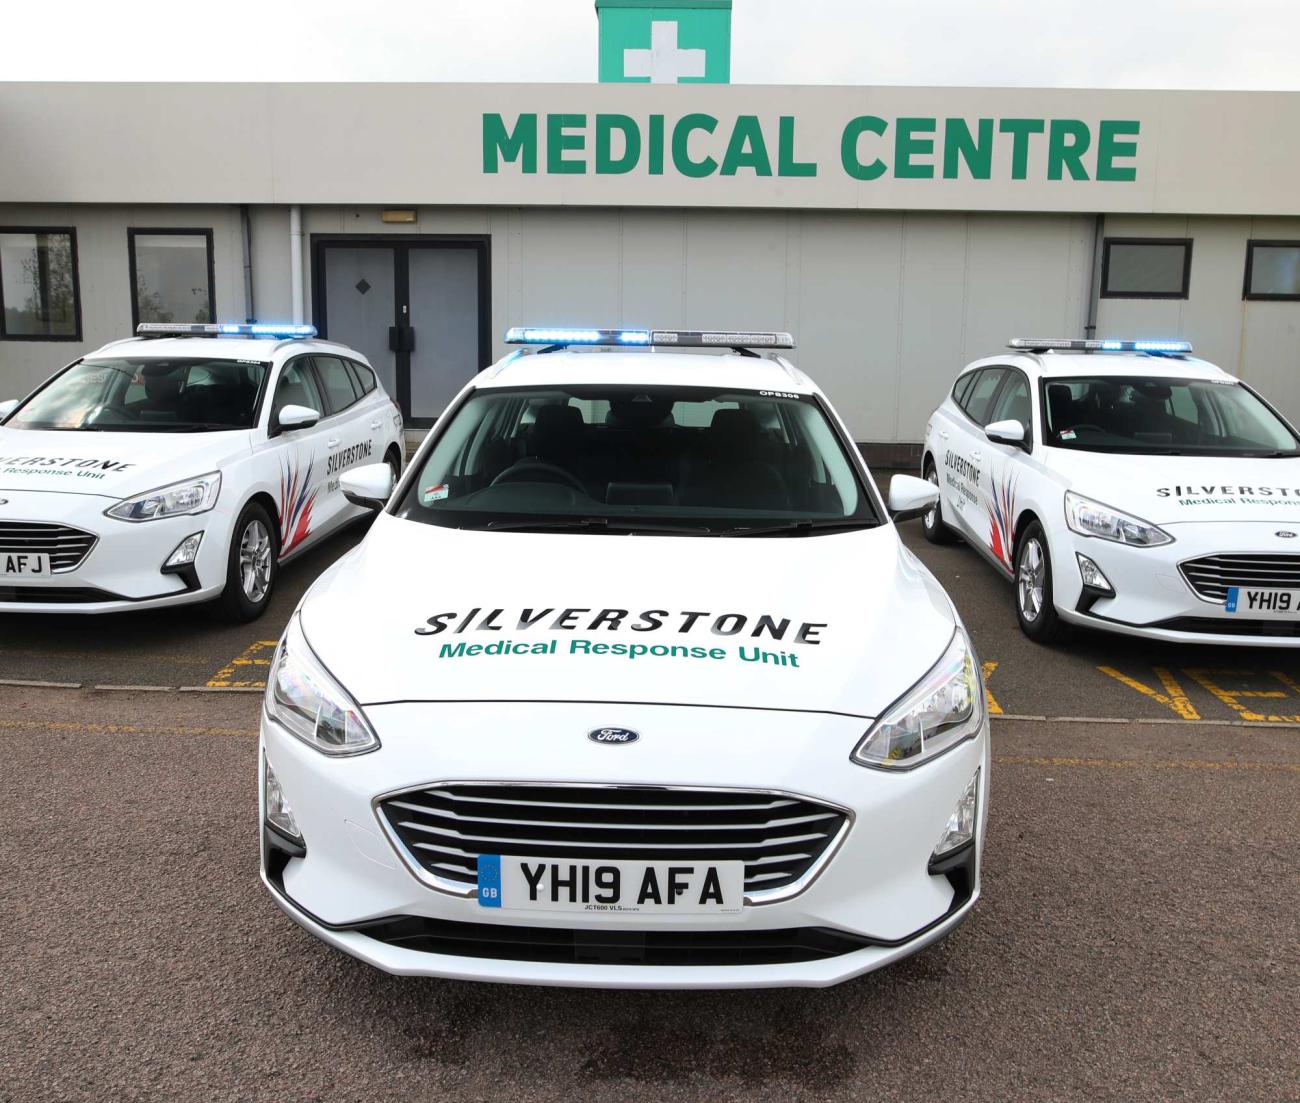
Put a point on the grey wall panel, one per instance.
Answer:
(569, 267)
(735, 270)
(653, 271)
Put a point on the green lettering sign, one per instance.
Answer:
(1020, 129)
(1109, 147)
(1067, 141)
(519, 145)
(557, 141)
(606, 162)
(682, 132)
(907, 145)
(863, 124)
(959, 143)
(747, 149)
(786, 164)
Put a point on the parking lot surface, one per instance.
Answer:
(1137, 937)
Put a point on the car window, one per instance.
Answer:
(1014, 403)
(962, 386)
(147, 394)
(297, 387)
(1162, 416)
(980, 396)
(337, 380)
(363, 376)
(698, 458)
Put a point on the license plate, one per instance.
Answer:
(559, 885)
(24, 564)
(1263, 604)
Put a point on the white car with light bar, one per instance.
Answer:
(183, 465)
(1124, 486)
(630, 684)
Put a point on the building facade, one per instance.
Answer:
(898, 233)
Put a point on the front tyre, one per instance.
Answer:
(1035, 608)
(251, 566)
(932, 522)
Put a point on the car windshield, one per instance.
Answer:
(147, 395)
(633, 458)
(1156, 416)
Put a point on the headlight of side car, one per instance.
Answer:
(174, 500)
(943, 709)
(303, 698)
(1089, 518)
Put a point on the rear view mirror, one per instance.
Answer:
(1006, 432)
(369, 486)
(297, 417)
(911, 497)
(8, 407)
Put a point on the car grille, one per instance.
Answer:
(65, 546)
(1230, 626)
(614, 946)
(1211, 575)
(780, 838)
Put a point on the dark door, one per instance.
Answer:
(416, 307)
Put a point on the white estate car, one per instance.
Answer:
(630, 684)
(183, 465)
(1125, 486)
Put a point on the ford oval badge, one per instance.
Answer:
(1286, 534)
(613, 735)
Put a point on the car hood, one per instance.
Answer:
(1167, 490)
(111, 465)
(425, 613)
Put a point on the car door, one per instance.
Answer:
(380, 416)
(303, 457)
(1013, 402)
(962, 473)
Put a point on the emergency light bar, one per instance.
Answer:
(681, 338)
(1107, 344)
(223, 329)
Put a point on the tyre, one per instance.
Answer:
(932, 523)
(1035, 608)
(251, 566)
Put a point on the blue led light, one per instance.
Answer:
(1112, 345)
(634, 337)
(1162, 346)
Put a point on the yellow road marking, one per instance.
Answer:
(1135, 764)
(235, 674)
(994, 708)
(76, 728)
(1205, 678)
(1174, 697)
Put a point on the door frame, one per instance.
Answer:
(401, 245)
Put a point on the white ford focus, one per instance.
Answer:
(183, 465)
(631, 684)
(1125, 486)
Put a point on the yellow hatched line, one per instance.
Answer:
(238, 673)
(994, 708)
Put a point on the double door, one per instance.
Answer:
(417, 307)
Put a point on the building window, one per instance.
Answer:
(39, 296)
(171, 276)
(1146, 268)
(1272, 270)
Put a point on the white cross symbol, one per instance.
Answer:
(663, 63)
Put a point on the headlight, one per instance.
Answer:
(192, 496)
(944, 708)
(1089, 518)
(303, 697)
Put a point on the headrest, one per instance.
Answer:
(734, 425)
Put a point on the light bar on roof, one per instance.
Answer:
(224, 329)
(680, 338)
(1107, 344)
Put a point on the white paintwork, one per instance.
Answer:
(373, 482)
(910, 495)
(77, 476)
(1148, 585)
(664, 63)
(724, 723)
(297, 417)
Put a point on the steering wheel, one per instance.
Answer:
(534, 470)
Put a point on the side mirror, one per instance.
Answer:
(296, 417)
(911, 497)
(1006, 432)
(369, 486)
(7, 408)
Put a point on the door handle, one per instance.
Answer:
(332, 443)
(401, 338)
(376, 424)
(943, 433)
(975, 456)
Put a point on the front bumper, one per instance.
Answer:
(875, 895)
(1152, 599)
(123, 569)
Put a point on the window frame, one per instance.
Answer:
(1263, 297)
(1012, 372)
(133, 232)
(1183, 293)
(318, 368)
(306, 359)
(71, 231)
(993, 398)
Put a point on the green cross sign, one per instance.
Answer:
(665, 41)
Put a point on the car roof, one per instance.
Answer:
(649, 367)
(1059, 365)
(221, 348)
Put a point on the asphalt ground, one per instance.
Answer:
(1137, 939)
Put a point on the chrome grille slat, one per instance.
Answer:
(1210, 576)
(67, 547)
(443, 829)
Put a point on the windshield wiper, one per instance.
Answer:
(799, 528)
(616, 524)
